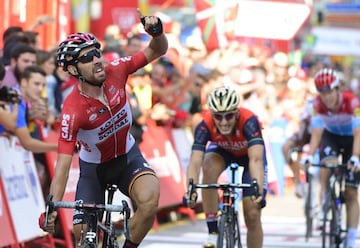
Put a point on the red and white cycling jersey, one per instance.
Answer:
(103, 131)
(343, 121)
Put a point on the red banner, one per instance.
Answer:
(158, 149)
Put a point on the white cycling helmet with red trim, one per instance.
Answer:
(70, 48)
(223, 99)
(326, 79)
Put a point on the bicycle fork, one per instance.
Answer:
(108, 230)
(228, 201)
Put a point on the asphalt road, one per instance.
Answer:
(283, 225)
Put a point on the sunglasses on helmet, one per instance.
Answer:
(220, 116)
(89, 56)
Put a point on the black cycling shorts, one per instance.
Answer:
(122, 171)
(330, 147)
(244, 162)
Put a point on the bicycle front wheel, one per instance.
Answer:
(237, 237)
(229, 231)
(87, 244)
(309, 211)
(329, 227)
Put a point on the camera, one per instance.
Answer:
(9, 95)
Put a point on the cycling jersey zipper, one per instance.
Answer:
(113, 124)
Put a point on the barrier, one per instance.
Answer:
(22, 190)
(168, 159)
(157, 147)
(7, 235)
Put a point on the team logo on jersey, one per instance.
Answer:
(92, 117)
(357, 112)
(112, 89)
(115, 62)
(117, 122)
(125, 59)
(65, 126)
(122, 93)
(103, 110)
(91, 109)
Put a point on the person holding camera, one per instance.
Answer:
(8, 116)
(14, 100)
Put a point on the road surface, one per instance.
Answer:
(283, 225)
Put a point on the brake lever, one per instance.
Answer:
(49, 208)
(255, 186)
(190, 187)
(126, 214)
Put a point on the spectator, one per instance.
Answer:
(32, 85)
(112, 40)
(22, 132)
(10, 43)
(11, 31)
(61, 78)
(22, 55)
(32, 38)
(8, 115)
(139, 94)
(30, 35)
(45, 59)
(133, 45)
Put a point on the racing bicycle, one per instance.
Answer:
(229, 228)
(93, 212)
(334, 229)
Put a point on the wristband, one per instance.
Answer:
(154, 30)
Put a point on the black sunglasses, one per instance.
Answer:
(227, 116)
(89, 56)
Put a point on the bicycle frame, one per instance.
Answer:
(229, 229)
(333, 206)
(92, 211)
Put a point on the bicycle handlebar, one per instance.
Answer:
(78, 205)
(88, 206)
(223, 186)
(332, 165)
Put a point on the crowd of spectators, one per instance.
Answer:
(171, 91)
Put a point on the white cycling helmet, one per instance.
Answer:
(223, 99)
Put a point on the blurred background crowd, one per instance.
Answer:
(274, 79)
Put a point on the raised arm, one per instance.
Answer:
(158, 45)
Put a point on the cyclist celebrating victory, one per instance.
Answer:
(97, 115)
(235, 136)
(335, 125)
